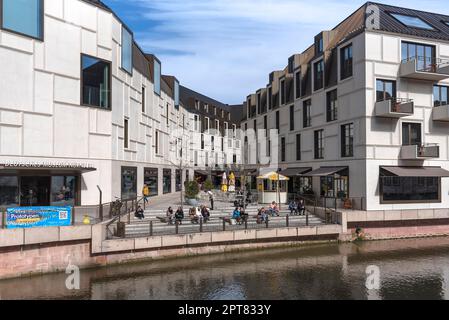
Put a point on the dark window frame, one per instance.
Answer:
(332, 105)
(144, 109)
(384, 82)
(42, 24)
(347, 140)
(82, 81)
(318, 144)
(298, 147)
(433, 28)
(382, 182)
(134, 170)
(318, 85)
(126, 133)
(346, 65)
(292, 117)
(438, 103)
(130, 72)
(410, 126)
(283, 150)
(306, 113)
(298, 84)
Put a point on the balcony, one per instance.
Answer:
(394, 108)
(420, 152)
(420, 68)
(441, 113)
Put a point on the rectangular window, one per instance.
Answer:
(270, 98)
(440, 96)
(410, 189)
(217, 126)
(222, 144)
(167, 115)
(298, 147)
(318, 75)
(292, 118)
(25, 17)
(319, 144)
(425, 55)
(306, 118)
(96, 82)
(126, 136)
(277, 121)
(195, 123)
(9, 191)
(234, 131)
(319, 45)
(202, 142)
(127, 51)
(157, 77)
(283, 159)
(412, 21)
(265, 125)
(176, 93)
(411, 134)
(259, 104)
(212, 142)
(234, 159)
(206, 122)
(151, 179)
(298, 84)
(195, 159)
(156, 142)
(331, 106)
(226, 125)
(347, 140)
(143, 100)
(129, 183)
(166, 181)
(282, 92)
(385, 90)
(346, 62)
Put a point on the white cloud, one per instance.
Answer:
(230, 46)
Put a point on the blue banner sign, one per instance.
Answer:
(31, 217)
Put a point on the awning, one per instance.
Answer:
(416, 172)
(273, 176)
(325, 171)
(246, 173)
(293, 172)
(202, 172)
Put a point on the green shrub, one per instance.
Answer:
(192, 189)
(208, 185)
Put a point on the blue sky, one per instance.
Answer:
(226, 48)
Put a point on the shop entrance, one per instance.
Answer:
(35, 191)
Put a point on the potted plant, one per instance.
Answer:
(191, 193)
(208, 185)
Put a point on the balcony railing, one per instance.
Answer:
(420, 152)
(441, 113)
(422, 68)
(395, 108)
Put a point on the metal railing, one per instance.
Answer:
(429, 151)
(425, 64)
(402, 105)
(333, 203)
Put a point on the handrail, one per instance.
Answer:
(430, 64)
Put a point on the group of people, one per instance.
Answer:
(239, 215)
(195, 215)
(297, 207)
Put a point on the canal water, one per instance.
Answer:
(408, 269)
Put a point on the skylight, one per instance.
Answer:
(413, 22)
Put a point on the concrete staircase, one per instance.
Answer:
(141, 228)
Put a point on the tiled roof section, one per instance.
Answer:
(390, 24)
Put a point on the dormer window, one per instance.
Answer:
(319, 45)
(412, 21)
(318, 75)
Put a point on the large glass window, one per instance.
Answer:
(412, 21)
(166, 181)
(9, 191)
(129, 183)
(23, 16)
(176, 94)
(283, 151)
(151, 178)
(318, 75)
(347, 140)
(306, 116)
(298, 147)
(63, 191)
(96, 85)
(298, 84)
(178, 180)
(334, 187)
(331, 106)
(319, 144)
(277, 121)
(346, 62)
(385, 89)
(411, 134)
(440, 95)
(157, 77)
(410, 189)
(423, 54)
(292, 118)
(282, 91)
(127, 50)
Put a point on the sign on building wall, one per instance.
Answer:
(31, 217)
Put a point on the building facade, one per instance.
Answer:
(83, 108)
(362, 113)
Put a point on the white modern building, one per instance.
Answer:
(82, 107)
(363, 113)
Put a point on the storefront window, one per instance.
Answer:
(271, 186)
(409, 189)
(151, 178)
(129, 183)
(63, 191)
(9, 192)
(166, 181)
(335, 187)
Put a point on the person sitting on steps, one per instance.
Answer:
(170, 215)
(139, 214)
(179, 215)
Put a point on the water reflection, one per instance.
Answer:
(410, 269)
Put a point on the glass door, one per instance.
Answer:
(35, 191)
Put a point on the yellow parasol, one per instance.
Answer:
(273, 176)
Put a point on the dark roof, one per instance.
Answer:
(186, 93)
(390, 24)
